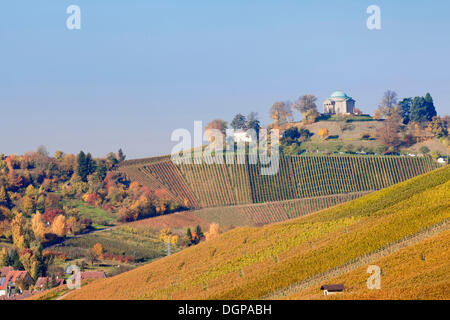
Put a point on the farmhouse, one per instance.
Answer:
(339, 103)
(329, 289)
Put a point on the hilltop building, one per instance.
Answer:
(339, 103)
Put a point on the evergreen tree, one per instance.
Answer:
(101, 169)
(189, 233)
(422, 109)
(405, 109)
(429, 107)
(120, 156)
(239, 122)
(82, 168)
(198, 231)
(90, 164)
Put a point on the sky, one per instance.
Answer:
(138, 70)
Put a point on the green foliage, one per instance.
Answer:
(422, 109)
(239, 122)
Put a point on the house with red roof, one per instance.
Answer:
(92, 275)
(5, 270)
(9, 284)
(44, 282)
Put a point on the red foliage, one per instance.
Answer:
(108, 207)
(15, 181)
(110, 180)
(54, 253)
(121, 259)
(147, 192)
(162, 194)
(93, 199)
(50, 214)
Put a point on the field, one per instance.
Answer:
(177, 222)
(416, 272)
(248, 263)
(217, 185)
(121, 242)
(99, 217)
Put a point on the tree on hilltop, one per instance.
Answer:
(281, 111)
(239, 122)
(388, 103)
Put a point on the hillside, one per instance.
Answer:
(416, 272)
(248, 263)
(359, 133)
(217, 185)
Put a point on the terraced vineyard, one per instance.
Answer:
(160, 173)
(270, 212)
(307, 176)
(248, 263)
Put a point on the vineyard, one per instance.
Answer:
(207, 185)
(428, 259)
(247, 263)
(270, 212)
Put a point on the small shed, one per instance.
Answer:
(332, 289)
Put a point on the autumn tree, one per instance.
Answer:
(388, 103)
(214, 125)
(323, 133)
(98, 250)
(213, 232)
(306, 105)
(4, 198)
(38, 227)
(281, 111)
(388, 134)
(59, 226)
(217, 124)
(18, 231)
(3, 257)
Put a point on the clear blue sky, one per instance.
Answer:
(137, 70)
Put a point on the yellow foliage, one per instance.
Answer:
(323, 133)
(18, 231)
(98, 250)
(59, 226)
(27, 204)
(213, 232)
(38, 227)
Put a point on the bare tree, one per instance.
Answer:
(388, 133)
(281, 111)
(387, 105)
(305, 103)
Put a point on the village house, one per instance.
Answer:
(329, 289)
(44, 282)
(5, 270)
(9, 284)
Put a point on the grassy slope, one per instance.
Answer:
(417, 272)
(248, 263)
